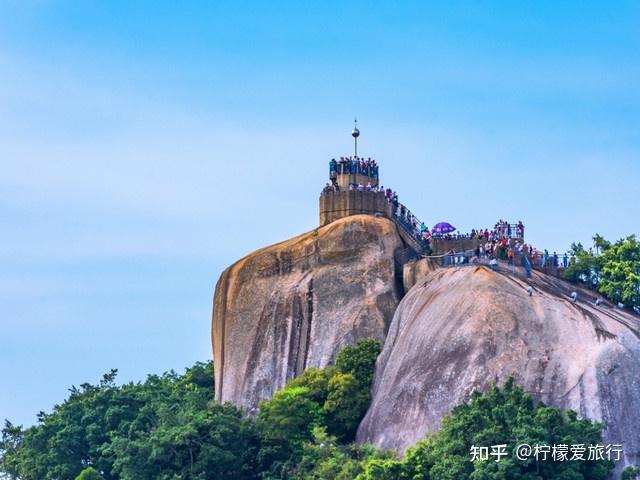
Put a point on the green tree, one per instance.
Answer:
(11, 447)
(504, 416)
(163, 428)
(169, 428)
(630, 473)
(347, 402)
(620, 279)
(584, 266)
(326, 458)
(189, 441)
(179, 432)
(359, 359)
(614, 270)
(316, 381)
(90, 474)
(349, 389)
(383, 469)
(65, 441)
(600, 243)
(334, 399)
(285, 423)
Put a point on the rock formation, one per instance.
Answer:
(294, 305)
(461, 329)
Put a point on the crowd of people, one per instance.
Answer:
(408, 220)
(505, 241)
(545, 259)
(404, 216)
(502, 247)
(334, 187)
(502, 229)
(505, 229)
(353, 165)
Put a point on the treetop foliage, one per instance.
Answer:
(168, 428)
(613, 269)
(156, 429)
(501, 416)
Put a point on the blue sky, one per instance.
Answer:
(145, 146)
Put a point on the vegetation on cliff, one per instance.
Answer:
(502, 416)
(613, 269)
(163, 428)
(320, 404)
(168, 427)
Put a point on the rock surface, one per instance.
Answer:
(294, 305)
(461, 329)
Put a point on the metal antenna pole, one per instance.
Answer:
(355, 133)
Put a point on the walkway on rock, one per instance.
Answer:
(542, 282)
(409, 235)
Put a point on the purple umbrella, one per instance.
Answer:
(443, 227)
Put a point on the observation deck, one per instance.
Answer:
(353, 171)
(353, 190)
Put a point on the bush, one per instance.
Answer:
(168, 427)
(360, 360)
(347, 402)
(333, 400)
(614, 271)
(163, 428)
(630, 473)
(89, 474)
(500, 416)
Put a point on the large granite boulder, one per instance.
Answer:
(296, 304)
(461, 329)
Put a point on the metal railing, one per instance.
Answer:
(519, 265)
(510, 232)
(349, 167)
(412, 230)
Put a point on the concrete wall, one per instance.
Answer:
(336, 205)
(440, 246)
(443, 245)
(345, 179)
